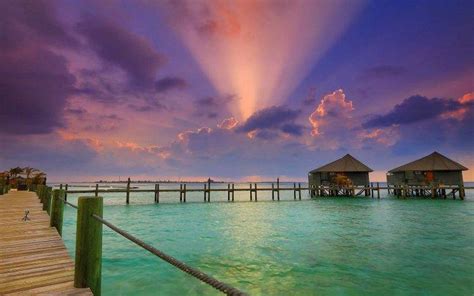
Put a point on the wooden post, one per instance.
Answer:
(433, 192)
(278, 189)
(57, 211)
(371, 190)
(47, 200)
(228, 192)
(65, 193)
(294, 191)
(255, 191)
(184, 193)
(299, 191)
(88, 263)
(180, 192)
(378, 190)
(128, 192)
(233, 191)
(462, 193)
(157, 188)
(250, 191)
(209, 190)
(273, 191)
(61, 186)
(96, 190)
(205, 190)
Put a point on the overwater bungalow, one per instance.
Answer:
(432, 170)
(343, 172)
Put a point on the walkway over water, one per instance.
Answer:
(33, 257)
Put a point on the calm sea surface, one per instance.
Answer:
(325, 246)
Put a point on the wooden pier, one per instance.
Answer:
(373, 190)
(33, 257)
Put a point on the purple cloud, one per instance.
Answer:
(414, 109)
(34, 88)
(170, 83)
(276, 118)
(27, 22)
(120, 47)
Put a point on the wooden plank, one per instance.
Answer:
(33, 257)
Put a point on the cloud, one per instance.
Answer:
(422, 124)
(266, 122)
(170, 83)
(32, 22)
(130, 52)
(333, 113)
(414, 109)
(35, 84)
(228, 123)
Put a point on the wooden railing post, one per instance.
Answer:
(299, 191)
(205, 192)
(233, 191)
(250, 191)
(273, 191)
(157, 193)
(96, 190)
(65, 193)
(128, 192)
(47, 199)
(209, 190)
(256, 192)
(228, 192)
(180, 192)
(294, 191)
(184, 193)
(57, 211)
(378, 190)
(88, 263)
(278, 189)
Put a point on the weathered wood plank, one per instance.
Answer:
(33, 258)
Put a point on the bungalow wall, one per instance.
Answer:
(325, 178)
(419, 178)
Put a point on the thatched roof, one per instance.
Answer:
(345, 164)
(433, 162)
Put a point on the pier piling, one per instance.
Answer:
(128, 192)
(57, 211)
(88, 267)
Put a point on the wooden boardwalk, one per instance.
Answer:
(33, 257)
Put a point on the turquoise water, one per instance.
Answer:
(326, 246)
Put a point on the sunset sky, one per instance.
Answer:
(233, 90)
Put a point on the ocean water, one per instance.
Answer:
(324, 246)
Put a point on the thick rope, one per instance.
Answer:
(68, 203)
(229, 290)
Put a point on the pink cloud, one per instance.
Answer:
(228, 123)
(334, 111)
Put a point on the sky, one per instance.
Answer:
(233, 90)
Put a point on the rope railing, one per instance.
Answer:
(68, 203)
(213, 282)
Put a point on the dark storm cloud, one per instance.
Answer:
(384, 71)
(34, 81)
(34, 86)
(170, 83)
(276, 117)
(120, 47)
(25, 22)
(414, 109)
